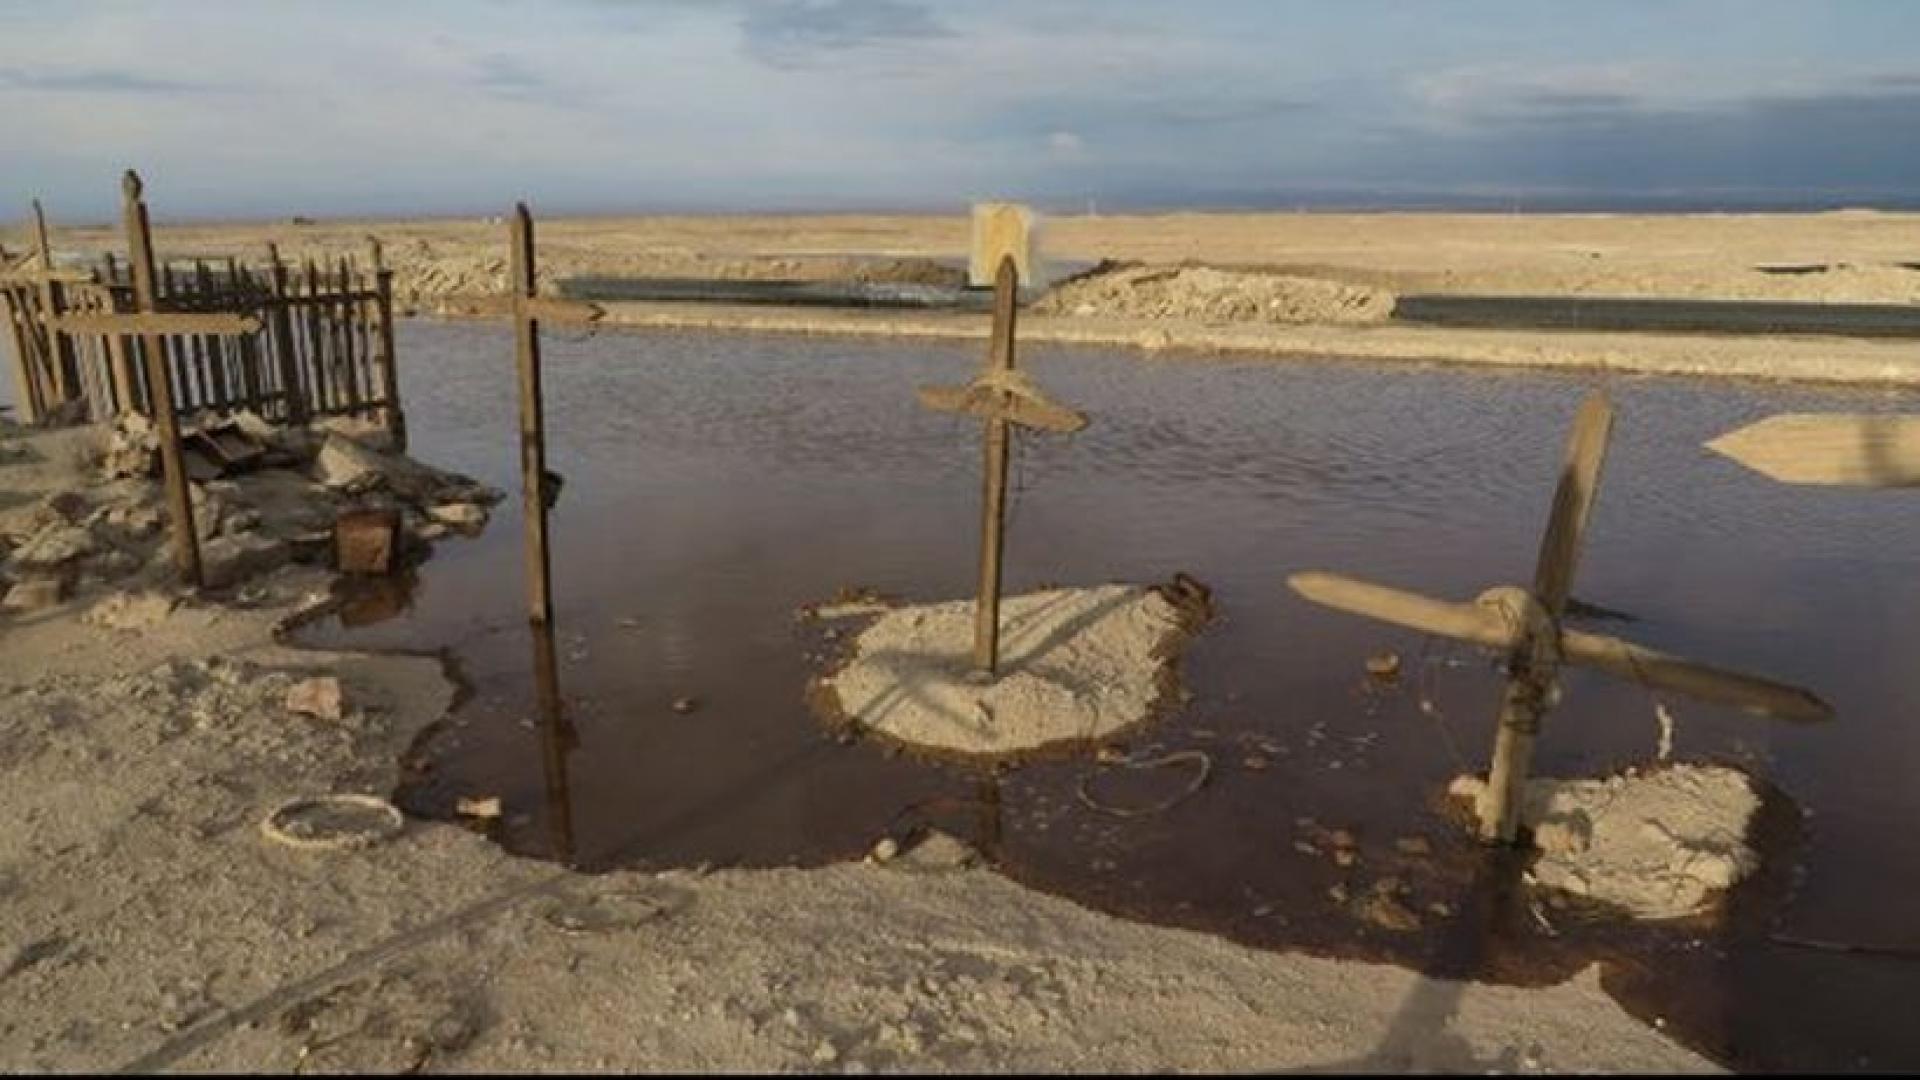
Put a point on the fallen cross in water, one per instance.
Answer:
(1001, 396)
(1836, 449)
(1527, 624)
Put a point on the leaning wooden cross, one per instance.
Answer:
(1832, 449)
(1000, 396)
(1527, 624)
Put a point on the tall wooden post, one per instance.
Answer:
(27, 397)
(993, 502)
(389, 370)
(166, 423)
(1535, 659)
(533, 470)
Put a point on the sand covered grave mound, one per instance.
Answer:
(1076, 665)
(1660, 843)
(1212, 295)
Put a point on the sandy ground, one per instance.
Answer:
(147, 923)
(1277, 284)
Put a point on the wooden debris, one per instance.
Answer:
(366, 541)
(1879, 450)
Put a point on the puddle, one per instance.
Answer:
(715, 484)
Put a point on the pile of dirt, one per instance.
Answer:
(1660, 843)
(1206, 294)
(1076, 665)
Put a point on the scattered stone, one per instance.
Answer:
(345, 463)
(319, 697)
(229, 560)
(884, 851)
(1384, 665)
(940, 851)
(1381, 906)
(130, 610)
(34, 594)
(685, 705)
(55, 545)
(1413, 845)
(1344, 857)
(484, 809)
(462, 515)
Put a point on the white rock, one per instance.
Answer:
(130, 610)
(320, 697)
(461, 515)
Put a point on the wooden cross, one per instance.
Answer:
(1000, 396)
(1876, 450)
(1527, 624)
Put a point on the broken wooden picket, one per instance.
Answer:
(1876, 450)
(1000, 396)
(1527, 624)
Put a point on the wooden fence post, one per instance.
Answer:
(27, 393)
(166, 423)
(396, 417)
(59, 356)
(281, 324)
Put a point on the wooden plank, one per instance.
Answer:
(167, 424)
(1001, 231)
(1749, 693)
(171, 323)
(987, 402)
(286, 356)
(343, 313)
(533, 442)
(1490, 621)
(216, 355)
(1877, 450)
(533, 478)
(555, 310)
(1573, 503)
(53, 301)
(26, 396)
(993, 502)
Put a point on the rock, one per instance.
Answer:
(55, 545)
(1382, 907)
(459, 515)
(344, 463)
(318, 697)
(34, 594)
(685, 705)
(1564, 834)
(939, 851)
(59, 508)
(366, 541)
(884, 851)
(484, 809)
(229, 560)
(130, 610)
(1384, 665)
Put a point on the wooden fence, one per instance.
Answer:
(321, 342)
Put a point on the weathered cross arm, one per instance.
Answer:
(1018, 402)
(1492, 621)
(1841, 449)
(158, 322)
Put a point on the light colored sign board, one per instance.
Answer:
(1838, 449)
(999, 230)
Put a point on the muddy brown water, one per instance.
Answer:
(715, 484)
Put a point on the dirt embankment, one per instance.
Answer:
(1210, 295)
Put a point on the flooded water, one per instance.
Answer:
(716, 483)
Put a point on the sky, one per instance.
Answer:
(247, 108)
